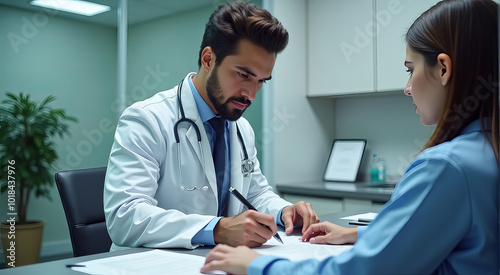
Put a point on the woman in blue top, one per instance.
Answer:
(443, 217)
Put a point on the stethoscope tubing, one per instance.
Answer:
(247, 165)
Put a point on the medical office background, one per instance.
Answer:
(341, 76)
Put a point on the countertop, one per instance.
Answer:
(340, 190)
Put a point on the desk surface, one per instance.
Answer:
(340, 190)
(59, 267)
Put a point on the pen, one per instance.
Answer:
(74, 265)
(249, 207)
(358, 223)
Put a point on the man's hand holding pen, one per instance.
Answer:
(250, 228)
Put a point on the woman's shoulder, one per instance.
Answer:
(469, 152)
(466, 146)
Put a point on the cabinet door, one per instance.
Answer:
(340, 47)
(393, 18)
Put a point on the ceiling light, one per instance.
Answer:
(74, 6)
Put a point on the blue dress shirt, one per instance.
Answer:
(206, 236)
(441, 219)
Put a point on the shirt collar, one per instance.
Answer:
(203, 109)
(475, 126)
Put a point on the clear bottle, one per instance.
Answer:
(377, 169)
(381, 170)
(374, 169)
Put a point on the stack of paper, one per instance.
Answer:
(167, 262)
(150, 262)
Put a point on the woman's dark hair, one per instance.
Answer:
(238, 20)
(467, 31)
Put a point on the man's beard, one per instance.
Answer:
(216, 96)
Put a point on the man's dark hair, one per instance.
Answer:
(238, 20)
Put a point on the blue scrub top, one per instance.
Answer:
(442, 218)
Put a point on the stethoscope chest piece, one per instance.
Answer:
(247, 167)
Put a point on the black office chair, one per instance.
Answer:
(81, 195)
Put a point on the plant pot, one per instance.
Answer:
(21, 243)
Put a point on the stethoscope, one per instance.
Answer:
(247, 166)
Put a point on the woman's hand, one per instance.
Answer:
(327, 232)
(300, 214)
(233, 260)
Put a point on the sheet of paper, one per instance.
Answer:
(369, 215)
(149, 262)
(294, 249)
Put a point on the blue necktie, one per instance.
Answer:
(219, 156)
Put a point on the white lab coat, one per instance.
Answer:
(143, 202)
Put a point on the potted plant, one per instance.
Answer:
(27, 156)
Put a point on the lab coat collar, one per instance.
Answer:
(235, 206)
(188, 102)
(203, 109)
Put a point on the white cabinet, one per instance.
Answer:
(340, 47)
(358, 46)
(394, 17)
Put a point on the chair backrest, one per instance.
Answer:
(81, 194)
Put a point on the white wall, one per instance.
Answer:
(298, 129)
(390, 125)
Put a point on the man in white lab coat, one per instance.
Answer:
(166, 183)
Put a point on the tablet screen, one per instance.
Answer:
(345, 158)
